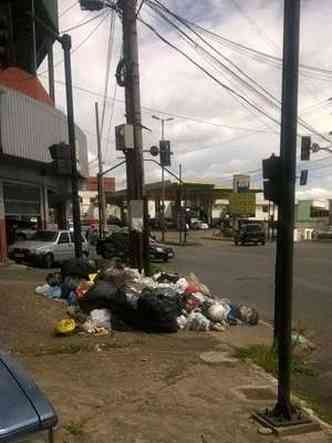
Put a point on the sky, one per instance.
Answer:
(213, 134)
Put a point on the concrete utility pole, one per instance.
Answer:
(163, 189)
(100, 179)
(135, 168)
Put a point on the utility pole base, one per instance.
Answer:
(299, 423)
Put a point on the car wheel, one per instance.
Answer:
(236, 243)
(20, 237)
(263, 243)
(48, 261)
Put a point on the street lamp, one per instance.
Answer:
(163, 191)
(162, 120)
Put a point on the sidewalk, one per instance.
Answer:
(139, 388)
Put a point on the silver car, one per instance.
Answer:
(47, 248)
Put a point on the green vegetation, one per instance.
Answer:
(267, 358)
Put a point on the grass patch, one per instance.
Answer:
(74, 428)
(267, 358)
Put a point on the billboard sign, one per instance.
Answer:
(241, 183)
(243, 204)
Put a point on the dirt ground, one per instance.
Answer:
(126, 387)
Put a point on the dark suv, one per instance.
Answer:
(250, 233)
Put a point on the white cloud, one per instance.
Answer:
(171, 84)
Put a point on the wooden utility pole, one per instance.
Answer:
(135, 169)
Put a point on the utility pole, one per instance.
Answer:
(100, 179)
(135, 168)
(65, 41)
(181, 218)
(163, 188)
(284, 414)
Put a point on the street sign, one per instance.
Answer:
(242, 204)
(154, 151)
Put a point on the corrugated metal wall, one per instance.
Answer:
(29, 127)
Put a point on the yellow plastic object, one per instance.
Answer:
(92, 277)
(66, 326)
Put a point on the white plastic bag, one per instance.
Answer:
(42, 290)
(197, 322)
(101, 318)
(218, 312)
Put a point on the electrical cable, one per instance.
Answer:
(68, 9)
(79, 25)
(198, 47)
(263, 55)
(153, 110)
(78, 47)
(140, 7)
(271, 99)
(205, 71)
(108, 67)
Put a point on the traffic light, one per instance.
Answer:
(4, 36)
(305, 147)
(271, 177)
(165, 152)
(304, 177)
(61, 153)
(91, 5)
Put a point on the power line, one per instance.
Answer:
(271, 99)
(253, 23)
(180, 116)
(205, 71)
(78, 47)
(79, 25)
(68, 9)
(108, 67)
(261, 54)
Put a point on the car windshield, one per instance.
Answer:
(47, 236)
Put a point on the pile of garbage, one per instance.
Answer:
(120, 298)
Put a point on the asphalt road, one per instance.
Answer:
(244, 274)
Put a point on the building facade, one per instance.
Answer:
(30, 189)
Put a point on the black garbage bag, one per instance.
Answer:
(78, 267)
(157, 313)
(100, 296)
(69, 285)
(54, 279)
